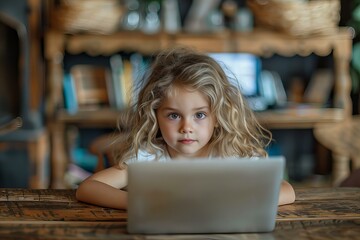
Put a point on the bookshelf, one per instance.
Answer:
(261, 42)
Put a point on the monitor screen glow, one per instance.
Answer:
(243, 70)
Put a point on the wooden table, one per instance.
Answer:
(318, 213)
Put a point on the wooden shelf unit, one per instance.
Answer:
(261, 42)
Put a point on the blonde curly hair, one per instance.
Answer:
(238, 132)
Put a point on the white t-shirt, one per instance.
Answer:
(144, 156)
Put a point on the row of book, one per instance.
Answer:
(92, 86)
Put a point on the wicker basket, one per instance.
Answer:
(90, 16)
(297, 17)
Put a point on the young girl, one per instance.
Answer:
(186, 109)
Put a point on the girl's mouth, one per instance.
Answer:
(187, 141)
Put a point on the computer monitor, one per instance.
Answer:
(243, 70)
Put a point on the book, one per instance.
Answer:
(117, 70)
(140, 65)
(127, 81)
(91, 85)
(127, 77)
(69, 91)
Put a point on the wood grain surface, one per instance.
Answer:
(318, 213)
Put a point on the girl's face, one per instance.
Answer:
(186, 123)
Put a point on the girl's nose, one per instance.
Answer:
(186, 127)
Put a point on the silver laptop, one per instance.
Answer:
(231, 195)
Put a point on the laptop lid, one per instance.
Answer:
(204, 196)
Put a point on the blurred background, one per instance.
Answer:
(67, 69)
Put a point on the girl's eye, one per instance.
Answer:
(173, 116)
(200, 115)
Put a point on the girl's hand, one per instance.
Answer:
(287, 193)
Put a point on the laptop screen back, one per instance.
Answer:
(204, 196)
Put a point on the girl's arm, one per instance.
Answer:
(287, 193)
(103, 188)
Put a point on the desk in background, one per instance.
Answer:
(318, 213)
(343, 140)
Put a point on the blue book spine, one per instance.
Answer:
(70, 98)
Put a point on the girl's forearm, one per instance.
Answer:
(98, 193)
